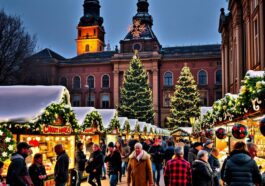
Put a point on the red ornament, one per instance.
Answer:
(34, 143)
(209, 133)
(262, 126)
(220, 133)
(239, 131)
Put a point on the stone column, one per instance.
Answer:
(155, 93)
(116, 82)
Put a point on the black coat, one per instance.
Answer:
(157, 154)
(96, 163)
(241, 170)
(169, 153)
(61, 168)
(16, 169)
(114, 162)
(202, 174)
(80, 160)
(34, 172)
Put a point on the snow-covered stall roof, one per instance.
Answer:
(253, 74)
(23, 104)
(81, 113)
(107, 116)
(133, 123)
(122, 121)
(148, 126)
(204, 110)
(142, 125)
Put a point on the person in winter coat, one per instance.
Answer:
(61, 167)
(169, 152)
(202, 174)
(103, 149)
(215, 165)
(240, 169)
(95, 165)
(113, 159)
(80, 161)
(139, 168)
(208, 146)
(192, 156)
(17, 171)
(157, 156)
(125, 156)
(37, 170)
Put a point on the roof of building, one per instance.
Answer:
(47, 54)
(95, 55)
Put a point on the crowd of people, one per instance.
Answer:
(182, 164)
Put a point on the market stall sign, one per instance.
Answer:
(56, 129)
(90, 130)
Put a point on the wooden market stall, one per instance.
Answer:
(125, 127)
(142, 130)
(134, 126)
(182, 133)
(42, 117)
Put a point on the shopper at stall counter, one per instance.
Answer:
(17, 174)
(61, 166)
(80, 162)
(37, 170)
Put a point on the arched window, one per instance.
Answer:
(76, 82)
(90, 82)
(202, 77)
(168, 79)
(87, 48)
(218, 77)
(63, 81)
(105, 81)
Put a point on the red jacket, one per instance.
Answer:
(178, 172)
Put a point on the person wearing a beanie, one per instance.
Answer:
(192, 156)
(208, 146)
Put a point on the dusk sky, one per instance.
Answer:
(176, 22)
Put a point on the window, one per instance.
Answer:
(218, 77)
(76, 82)
(218, 94)
(105, 101)
(203, 97)
(63, 81)
(90, 82)
(202, 78)
(166, 98)
(87, 48)
(91, 99)
(168, 79)
(105, 81)
(76, 100)
(256, 42)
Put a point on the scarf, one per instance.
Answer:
(139, 157)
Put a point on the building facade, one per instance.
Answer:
(242, 49)
(94, 76)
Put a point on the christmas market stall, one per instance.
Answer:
(125, 127)
(41, 116)
(134, 128)
(181, 133)
(111, 124)
(142, 130)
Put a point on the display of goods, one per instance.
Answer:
(239, 131)
(262, 126)
(209, 133)
(220, 133)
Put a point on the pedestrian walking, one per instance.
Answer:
(157, 156)
(37, 170)
(103, 149)
(95, 165)
(139, 167)
(215, 165)
(118, 148)
(192, 156)
(169, 153)
(202, 173)
(125, 156)
(80, 162)
(240, 168)
(2, 182)
(146, 145)
(208, 146)
(61, 167)
(17, 174)
(113, 159)
(186, 149)
(178, 170)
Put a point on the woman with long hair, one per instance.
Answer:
(118, 148)
(37, 170)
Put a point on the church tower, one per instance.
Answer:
(91, 33)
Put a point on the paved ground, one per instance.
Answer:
(124, 182)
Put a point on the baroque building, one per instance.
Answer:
(242, 49)
(95, 75)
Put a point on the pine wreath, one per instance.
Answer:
(7, 144)
(126, 126)
(94, 118)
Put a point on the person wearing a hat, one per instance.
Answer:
(113, 159)
(208, 146)
(192, 156)
(17, 174)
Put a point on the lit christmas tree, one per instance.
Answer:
(136, 95)
(185, 101)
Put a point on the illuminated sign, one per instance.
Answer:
(56, 129)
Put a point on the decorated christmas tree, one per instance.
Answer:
(185, 101)
(136, 95)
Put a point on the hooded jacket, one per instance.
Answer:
(241, 170)
(16, 170)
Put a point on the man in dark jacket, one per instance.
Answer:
(169, 152)
(240, 169)
(192, 156)
(61, 166)
(215, 165)
(95, 165)
(80, 161)
(17, 169)
(113, 159)
(208, 146)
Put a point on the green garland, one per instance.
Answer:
(7, 146)
(145, 129)
(114, 124)
(137, 128)
(94, 116)
(126, 126)
(151, 130)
